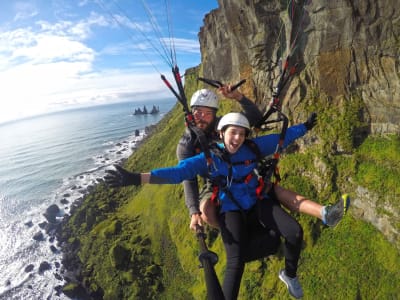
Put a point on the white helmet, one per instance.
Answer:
(204, 97)
(236, 119)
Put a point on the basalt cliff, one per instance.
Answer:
(343, 48)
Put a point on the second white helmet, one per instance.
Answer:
(204, 97)
(235, 119)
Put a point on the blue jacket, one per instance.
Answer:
(244, 193)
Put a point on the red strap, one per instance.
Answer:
(214, 195)
(248, 178)
(260, 188)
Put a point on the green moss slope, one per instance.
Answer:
(135, 243)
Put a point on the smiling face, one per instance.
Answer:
(203, 116)
(233, 138)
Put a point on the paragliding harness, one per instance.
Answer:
(223, 182)
(266, 168)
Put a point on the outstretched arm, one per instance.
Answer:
(187, 168)
(268, 143)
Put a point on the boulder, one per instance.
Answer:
(51, 213)
(38, 236)
(44, 266)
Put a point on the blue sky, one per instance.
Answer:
(59, 54)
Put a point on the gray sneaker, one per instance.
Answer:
(292, 284)
(334, 213)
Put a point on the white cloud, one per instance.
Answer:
(48, 48)
(53, 65)
(38, 68)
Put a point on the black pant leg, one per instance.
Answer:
(273, 216)
(234, 236)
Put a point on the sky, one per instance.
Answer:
(61, 54)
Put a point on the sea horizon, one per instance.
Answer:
(79, 107)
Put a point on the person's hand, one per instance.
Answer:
(121, 177)
(195, 220)
(226, 91)
(311, 121)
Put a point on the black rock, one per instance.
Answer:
(58, 289)
(58, 276)
(29, 224)
(38, 236)
(53, 249)
(29, 268)
(43, 225)
(51, 212)
(44, 266)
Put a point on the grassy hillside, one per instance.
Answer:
(135, 243)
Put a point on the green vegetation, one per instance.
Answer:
(135, 243)
(378, 167)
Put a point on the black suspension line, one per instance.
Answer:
(157, 30)
(170, 32)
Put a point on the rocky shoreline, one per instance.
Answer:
(54, 230)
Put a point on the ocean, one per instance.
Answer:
(55, 159)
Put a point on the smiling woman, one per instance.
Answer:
(55, 57)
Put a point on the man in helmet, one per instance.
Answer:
(204, 105)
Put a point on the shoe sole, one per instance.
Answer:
(281, 278)
(346, 203)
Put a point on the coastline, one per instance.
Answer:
(62, 267)
(50, 163)
(71, 267)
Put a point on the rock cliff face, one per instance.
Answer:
(344, 50)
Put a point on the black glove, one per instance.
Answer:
(121, 177)
(311, 121)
